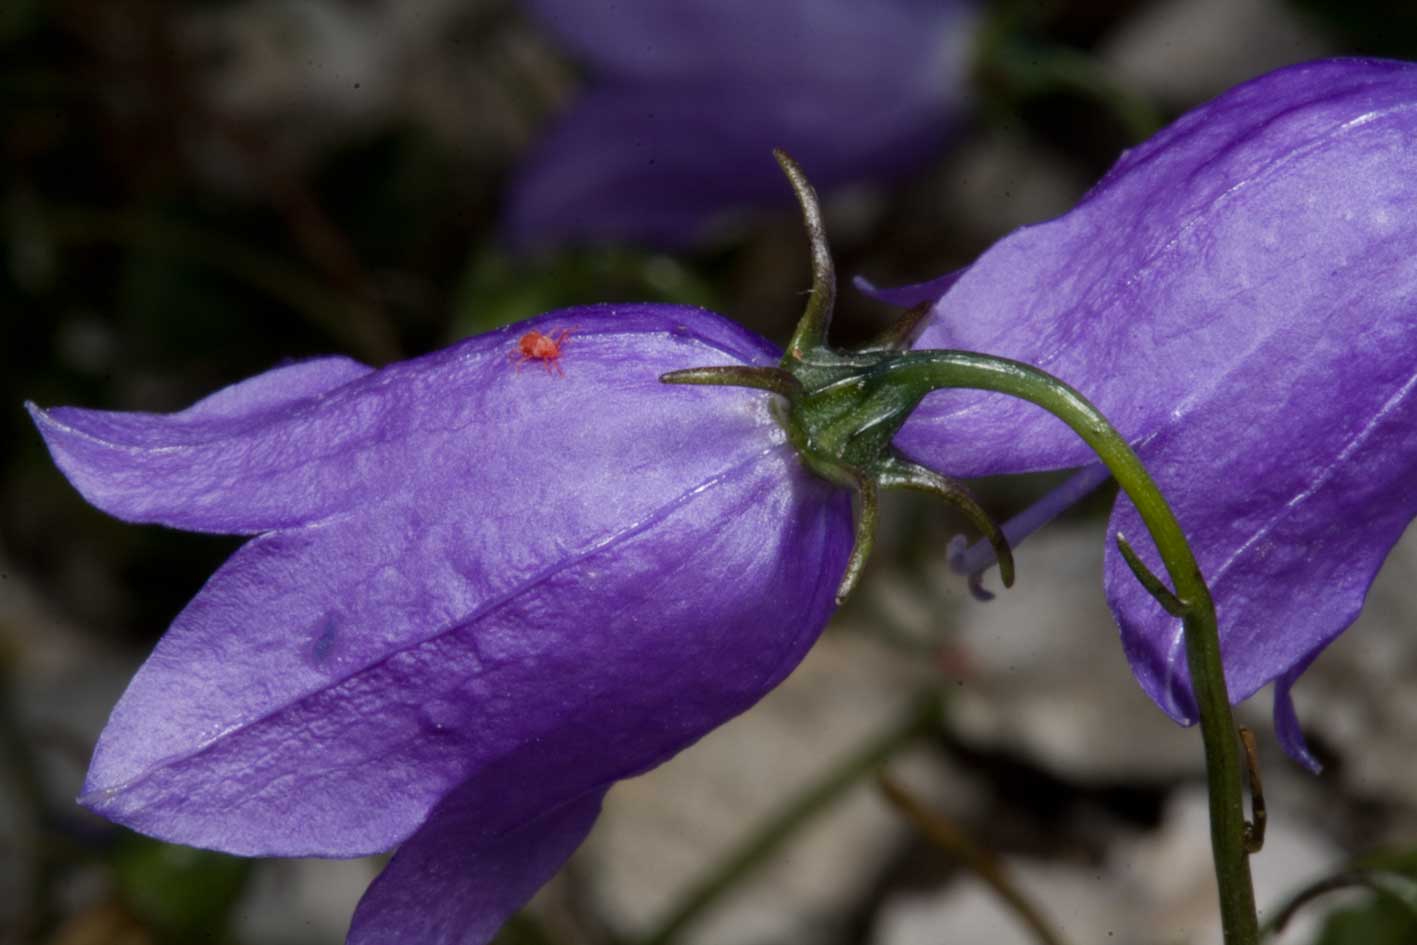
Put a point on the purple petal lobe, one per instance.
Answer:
(514, 553)
(909, 296)
(1286, 720)
(233, 462)
(482, 854)
(1239, 295)
(1289, 529)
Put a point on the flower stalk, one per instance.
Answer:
(842, 410)
(926, 371)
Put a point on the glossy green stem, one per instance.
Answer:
(919, 373)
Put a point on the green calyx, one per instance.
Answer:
(841, 409)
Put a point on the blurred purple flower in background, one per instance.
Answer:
(475, 598)
(690, 96)
(1239, 296)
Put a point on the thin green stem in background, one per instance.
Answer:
(1399, 889)
(920, 719)
(1015, 58)
(945, 835)
(1034, 69)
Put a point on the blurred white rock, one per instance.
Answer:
(1151, 889)
(1360, 695)
(301, 902)
(1187, 51)
(1048, 679)
(661, 832)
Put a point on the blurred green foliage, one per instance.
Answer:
(523, 929)
(182, 895)
(498, 289)
(1379, 921)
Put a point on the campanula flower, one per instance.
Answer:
(485, 584)
(690, 96)
(1239, 296)
(482, 585)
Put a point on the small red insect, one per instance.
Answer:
(534, 346)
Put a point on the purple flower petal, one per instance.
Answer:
(1290, 519)
(698, 93)
(1286, 721)
(1239, 295)
(909, 296)
(512, 555)
(160, 467)
(659, 163)
(770, 41)
(481, 855)
(302, 443)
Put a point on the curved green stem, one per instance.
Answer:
(925, 371)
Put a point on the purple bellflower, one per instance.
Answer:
(689, 97)
(1239, 296)
(478, 593)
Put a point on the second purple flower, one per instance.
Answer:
(689, 98)
(1238, 295)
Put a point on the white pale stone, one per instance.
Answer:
(661, 832)
(1187, 51)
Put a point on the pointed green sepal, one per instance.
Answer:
(867, 511)
(1154, 586)
(897, 473)
(901, 335)
(763, 378)
(812, 329)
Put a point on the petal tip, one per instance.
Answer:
(1286, 723)
(43, 420)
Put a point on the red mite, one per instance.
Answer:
(534, 346)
